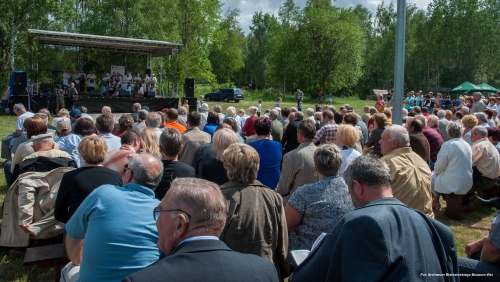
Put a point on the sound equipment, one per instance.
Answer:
(148, 71)
(95, 93)
(124, 93)
(189, 87)
(20, 83)
(193, 106)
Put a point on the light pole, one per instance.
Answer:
(399, 64)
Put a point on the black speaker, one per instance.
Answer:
(150, 94)
(148, 71)
(189, 87)
(124, 93)
(95, 93)
(20, 83)
(192, 102)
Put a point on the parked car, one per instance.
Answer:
(226, 95)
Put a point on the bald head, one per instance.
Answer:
(147, 170)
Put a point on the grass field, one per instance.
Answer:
(473, 226)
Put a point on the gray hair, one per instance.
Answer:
(252, 109)
(328, 159)
(153, 119)
(441, 114)
(170, 142)
(293, 110)
(231, 111)
(482, 117)
(136, 107)
(367, 170)
(417, 109)
(43, 116)
(222, 139)
(147, 170)
(218, 109)
(455, 130)
(434, 119)
(465, 110)
(333, 109)
(398, 132)
(480, 130)
(477, 94)
(203, 199)
(273, 114)
(299, 115)
(182, 111)
(18, 107)
(310, 112)
(405, 112)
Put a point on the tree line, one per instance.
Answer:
(319, 47)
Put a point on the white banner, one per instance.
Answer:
(117, 69)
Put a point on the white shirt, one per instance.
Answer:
(127, 78)
(89, 77)
(20, 120)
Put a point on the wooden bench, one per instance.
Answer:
(47, 257)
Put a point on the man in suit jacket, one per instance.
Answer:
(443, 123)
(276, 126)
(382, 239)
(289, 140)
(298, 165)
(190, 218)
(193, 138)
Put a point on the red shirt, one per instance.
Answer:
(248, 128)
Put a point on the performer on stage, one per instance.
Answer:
(76, 79)
(153, 78)
(71, 95)
(66, 77)
(91, 81)
(146, 78)
(137, 78)
(127, 77)
(59, 92)
(117, 82)
(83, 79)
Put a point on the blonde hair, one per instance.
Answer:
(241, 162)
(149, 142)
(347, 135)
(222, 139)
(469, 121)
(106, 110)
(63, 113)
(93, 149)
(318, 117)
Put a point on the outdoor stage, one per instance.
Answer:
(95, 104)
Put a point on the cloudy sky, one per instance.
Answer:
(249, 7)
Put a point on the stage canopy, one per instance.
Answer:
(120, 44)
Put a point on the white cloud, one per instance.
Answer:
(249, 7)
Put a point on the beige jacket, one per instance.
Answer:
(192, 139)
(31, 199)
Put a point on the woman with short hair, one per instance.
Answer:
(212, 122)
(125, 122)
(77, 184)
(315, 208)
(347, 139)
(270, 153)
(468, 121)
(214, 170)
(256, 221)
(380, 122)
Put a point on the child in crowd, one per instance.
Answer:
(259, 107)
(278, 102)
(300, 106)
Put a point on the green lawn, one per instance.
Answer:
(473, 226)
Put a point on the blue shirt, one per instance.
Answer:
(114, 142)
(210, 128)
(270, 154)
(119, 230)
(409, 101)
(69, 144)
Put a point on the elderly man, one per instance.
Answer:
(442, 124)
(102, 252)
(141, 121)
(118, 159)
(218, 111)
(434, 138)
(418, 142)
(482, 119)
(326, 134)
(193, 138)
(10, 142)
(172, 117)
(310, 114)
(74, 116)
(170, 146)
(190, 220)
(67, 141)
(153, 121)
(485, 165)
(298, 164)
(410, 174)
(203, 110)
(360, 247)
(478, 106)
(483, 256)
(135, 109)
(182, 116)
(276, 126)
(105, 124)
(289, 140)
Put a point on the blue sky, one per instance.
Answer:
(249, 7)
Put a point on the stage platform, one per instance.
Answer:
(95, 104)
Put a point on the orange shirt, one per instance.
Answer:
(176, 125)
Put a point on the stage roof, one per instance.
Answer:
(120, 44)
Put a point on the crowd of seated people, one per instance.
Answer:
(255, 190)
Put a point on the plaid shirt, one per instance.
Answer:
(326, 134)
(494, 236)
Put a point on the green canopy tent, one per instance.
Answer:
(465, 87)
(487, 88)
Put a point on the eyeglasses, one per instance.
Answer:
(157, 211)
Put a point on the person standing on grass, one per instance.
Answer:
(299, 96)
(259, 107)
